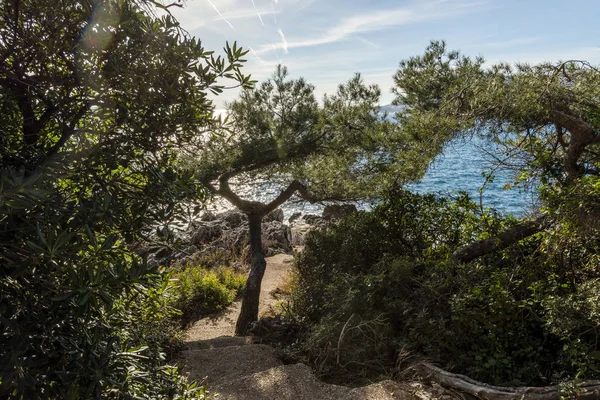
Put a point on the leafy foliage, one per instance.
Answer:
(390, 292)
(199, 291)
(545, 116)
(341, 149)
(95, 96)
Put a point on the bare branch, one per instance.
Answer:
(586, 390)
(582, 135)
(224, 190)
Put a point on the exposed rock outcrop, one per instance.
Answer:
(227, 231)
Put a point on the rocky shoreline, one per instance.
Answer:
(228, 231)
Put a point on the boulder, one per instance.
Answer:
(234, 218)
(294, 217)
(235, 238)
(277, 235)
(208, 216)
(275, 215)
(206, 232)
(225, 231)
(337, 211)
(312, 219)
(186, 254)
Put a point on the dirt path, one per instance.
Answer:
(236, 369)
(223, 324)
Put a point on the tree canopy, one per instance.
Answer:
(545, 115)
(342, 149)
(95, 96)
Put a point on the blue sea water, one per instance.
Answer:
(459, 168)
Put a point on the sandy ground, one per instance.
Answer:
(234, 368)
(223, 324)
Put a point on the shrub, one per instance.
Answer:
(381, 284)
(79, 310)
(149, 329)
(199, 291)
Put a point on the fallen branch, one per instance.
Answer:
(586, 390)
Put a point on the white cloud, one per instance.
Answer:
(379, 20)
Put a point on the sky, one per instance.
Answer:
(327, 41)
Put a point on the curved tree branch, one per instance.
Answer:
(582, 135)
(505, 239)
(224, 190)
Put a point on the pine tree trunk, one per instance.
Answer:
(250, 300)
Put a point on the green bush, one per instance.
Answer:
(198, 291)
(148, 326)
(96, 99)
(147, 318)
(77, 307)
(381, 285)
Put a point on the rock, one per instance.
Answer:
(270, 252)
(186, 254)
(337, 211)
(206, 233)
(275, 215)
(234, 238)
(160, 252)
(298, 236)
(229, 230)
(234, 218)
(294, 217)
(208, 216)
(304, 225)
(383, 390)
(312, 219)
(276, 234)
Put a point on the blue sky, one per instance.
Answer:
(327, 41)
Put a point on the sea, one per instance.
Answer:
(462, 166)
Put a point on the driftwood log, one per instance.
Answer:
(586, 390)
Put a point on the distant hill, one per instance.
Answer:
(390, 109)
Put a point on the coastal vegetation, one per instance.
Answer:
(506, 301)
(341, 149)
(108, 134)
(95, 99)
